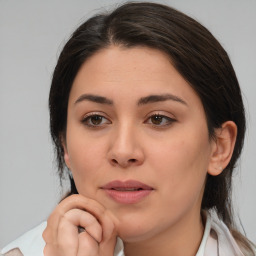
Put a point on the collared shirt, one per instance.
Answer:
(217, 241)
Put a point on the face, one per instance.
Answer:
(137, 141)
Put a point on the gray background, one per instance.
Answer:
(32, 33)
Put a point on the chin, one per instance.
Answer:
(131, 232)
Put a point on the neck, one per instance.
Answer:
(183, 239)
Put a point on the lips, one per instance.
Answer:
(128, 185)
(127, 192)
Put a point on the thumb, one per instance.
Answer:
(109, 235)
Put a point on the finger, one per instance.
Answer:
(107, 245)
(49, 250)
(49, 234)
(109, 224)
(80, 218)
(105, 218)
(71, 202)
(88, 246)
(67, 238)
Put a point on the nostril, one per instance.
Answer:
(114, 161)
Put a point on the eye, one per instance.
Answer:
(95, 120)
(160, 120)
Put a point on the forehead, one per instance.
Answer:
(137, 71)
(115, 62)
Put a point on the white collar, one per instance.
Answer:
(207, 230)
(31, 243)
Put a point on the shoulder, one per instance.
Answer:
(29, 244)
(14, 252)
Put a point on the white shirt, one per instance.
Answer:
(216, 241)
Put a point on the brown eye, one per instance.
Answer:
(95, 121)
(160, 120)
(156, 120)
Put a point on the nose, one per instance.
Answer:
(125, 150)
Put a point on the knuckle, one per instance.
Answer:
(86, 241)
(46, 235)
(48, 250)
(75, 198)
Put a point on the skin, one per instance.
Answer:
(171, 152)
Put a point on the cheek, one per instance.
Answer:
(182, 165)
(180, 155)
(86, 160)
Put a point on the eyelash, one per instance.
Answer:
(87, 120)
(168, 120)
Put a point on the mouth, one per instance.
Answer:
(127, 189)
(127, 192)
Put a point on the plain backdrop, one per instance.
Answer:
(32, 33)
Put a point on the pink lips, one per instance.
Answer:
(127, 192)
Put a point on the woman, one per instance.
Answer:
(146, 114)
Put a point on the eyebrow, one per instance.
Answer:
(94, 98)
(159, 98)
(142, 101)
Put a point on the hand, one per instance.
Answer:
(62, 237)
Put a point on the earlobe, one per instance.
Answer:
(66, 159)
(224, 143)
(65, 152)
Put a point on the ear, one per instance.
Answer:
(66, 155)
(223, 147)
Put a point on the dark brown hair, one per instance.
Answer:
(195, 54)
